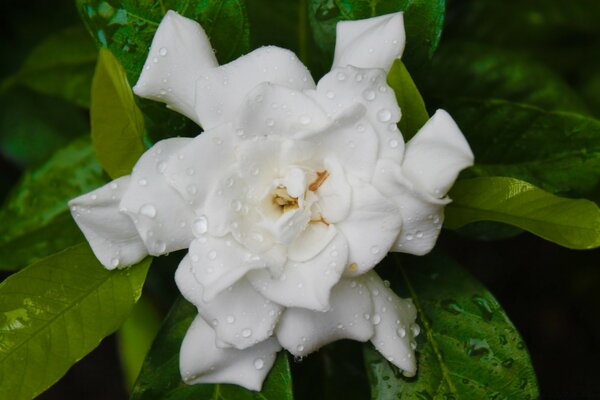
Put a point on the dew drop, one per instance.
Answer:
(384, 115)
(192, 189)
(270, 121)
(115, 262)
(236, 205)
(212, 255)
(259, 363)
(330, 94)
(374, 249)
(304, 119)
(160, 246)
(230, 319)
(148, 210)
(409, 237)
(359, 77)
(200, 226)
(247, 333)
(401, 332)
(376, 319)
(142, 182)
(190, 171)
(369, 95)
(161, 167)
(393, 143)
(300, 348)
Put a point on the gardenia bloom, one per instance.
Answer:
(286, 201)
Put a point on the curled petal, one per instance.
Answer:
(159, 213)
(275, 109)
(422, 214)
(111, 234)
(179, 52)
(436, 154)
(370, 43)
(240, 316)
(221, 91)
(303, 331)
(394, 321)
(335, 194)
(305, 284)
(371, 227)
(200, 361)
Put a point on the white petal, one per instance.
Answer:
(179, 52)
(436, 154)
(218, 263)
(305, 284)
(371, 228)
(303, 331)
(370, 43)
(111, 234)
(335, 194)
(422, 214)
(160, 214)
(343, 88)
(311, 242)
(221, 91)
(275, 109)
(394, 320)
(240, 316)
(200, 361)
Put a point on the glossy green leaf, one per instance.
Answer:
(160, 378)
(117, 123)
(571, 223)
(467, 348)
(33, 125)
(482, 72)
(57, 310)
(414, 114)
(557, 151)
(61, 65)
(127, 27)
(135, 338)
(423, 21)
(35, 218)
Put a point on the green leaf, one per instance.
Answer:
(117, 123)
(33, 125)
(57, 310)
(160, 378)
(127, 27)
(61, 65)
(570, 223)
(557, 151)
(414, 114)
(482, 72)
(35, 218)
(423, 21)
(135, 337)
(467, 349)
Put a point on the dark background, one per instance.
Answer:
(550, 293)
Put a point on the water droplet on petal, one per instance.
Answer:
(330, 94)
(393, 143)
(200, 226)
(142, 182)
(341, 76)
(384, 115)
(115, 262)
(374, 249)
(270, 122)
(376, 319)
(304, 119)
(230, 319)
(247, 333)
(369, 95)
(300, 348)
(162, 51)
(161, 167)
(148, 210)
(401, 332)
(259, 363)
(212, 255)
(236, 205)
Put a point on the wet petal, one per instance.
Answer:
(179, 52)
(303, 331)
(370, 43)
(200, 361)
(221, 91)
(305, 284)
(394, 320)
(111, 234)
(240, 316)
(335, 194)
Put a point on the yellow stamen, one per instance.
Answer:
(316, 184)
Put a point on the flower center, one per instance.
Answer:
(283, 200)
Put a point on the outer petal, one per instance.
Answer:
(218, 263)
(395, 327)
(423, 215)
(305, 284)
(160, 214)
(436, 154)
(180, 51)
(371, 227)
(111, 234)
(274, 109)
(370, 43)
(335, 194)
(303, 331)
(200, 361)
(240, 316)
(221, 91)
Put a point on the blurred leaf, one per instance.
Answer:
(482, 72)
(414, 114)
(35, 218)
(61, 65)
(160, 378)
(423, 21)
(135, 337)
(117, 123)
(127, 27)
(33, 126)
(557, 151)
(56, 311)
(279, 23)
(468, 348)
(570, 223)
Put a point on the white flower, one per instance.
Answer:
(292, 194)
